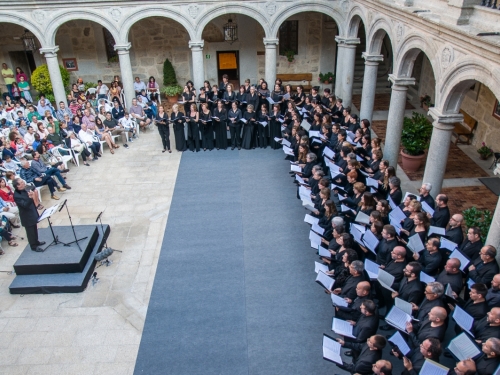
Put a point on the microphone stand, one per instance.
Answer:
(72, 227)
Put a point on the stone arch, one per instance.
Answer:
(355, 18)
(300, 8)
(172, 14)
(75, 15)
(458, 80)
(408, 51)
(244, 9)
(375, 36)
(26, 24)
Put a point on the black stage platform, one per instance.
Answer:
(59, 269)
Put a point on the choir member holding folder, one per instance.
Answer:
(234, 117)
(249, 140)
(177, 119)
(207, 130)
(163, 128)
(220, 118)
(193, 129)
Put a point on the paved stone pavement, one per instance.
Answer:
(97, 331)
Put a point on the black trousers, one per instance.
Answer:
(32, 234)
(235, 135)
(165, 136)
(49, 181)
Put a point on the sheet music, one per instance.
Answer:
(295, 168)
(263, 123)
(314, 133)
(288, 151)
(48, 212)
(315, 227)
(314, 238)
(311, 219)
(415, 243)
(391, 202)
(357, 234)
(373, 190)
(363, 172)
(309, 206)
(325, 280)
(328, 152)
(437, 230)
(243, 120)
(299, 179)
(385, 279)
(408, 193)
(316, 140)
(305, 125)
(464, 261)
(400, 342)
(403, 305)
(426, 278)
(320, 267)
(344, 208)
(285, 142)
(338, 301)
(397, 214)
(371, 242)
(463, 319)
(331, 350)
(427, 208)
(447, 244)
(341, 327)
(470, 282)
(396, 224)
(398, 318)
(371, 268)
(433, 368)
(270, 100)
(361, 217)
(322, 252)
(371, 182)
(449, 291)
(463, 347)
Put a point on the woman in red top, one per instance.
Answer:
(6, 192)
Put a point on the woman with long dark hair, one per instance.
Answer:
(163, 128)
(177, 119)
(220, 125)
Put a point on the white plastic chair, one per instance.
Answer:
(65, 158)
(148, 93)
(90, 90)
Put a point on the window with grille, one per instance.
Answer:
(289, 37)
(109, 42)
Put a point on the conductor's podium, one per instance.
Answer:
(60, 268)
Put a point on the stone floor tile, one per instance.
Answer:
(35, 356)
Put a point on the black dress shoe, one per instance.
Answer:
(348, 353)
(232, 148)
(41, 243)
(38, 250)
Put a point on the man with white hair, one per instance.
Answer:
(425, 195)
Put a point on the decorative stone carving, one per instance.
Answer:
(271, 8)
(446, 57)
(368, 19)
(115, 14)
(38, 15)
(193, 11)
(400, 31)
(345, 6)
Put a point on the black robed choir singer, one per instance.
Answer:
(28, 213)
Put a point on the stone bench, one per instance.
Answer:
(464, 130)
(298, 77)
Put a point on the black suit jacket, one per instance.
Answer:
(363, 365)
(415, 338)
(471, 250)
(349, 288)
(365, 327)
(352, 311)
(27, 208)
(486, 366)
(482, 330)
(455, 235)
(384, 249)
(484, 272)
(455, 280)
(441, 217)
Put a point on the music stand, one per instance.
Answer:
(46, 214)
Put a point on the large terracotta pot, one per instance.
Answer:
(173, 99)
(411, 163)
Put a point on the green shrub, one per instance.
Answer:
(416, 134)
(172, 90)
(89, 85)
(478, 218)
(40, 80)
(169, 77)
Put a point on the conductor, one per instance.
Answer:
(27, 212)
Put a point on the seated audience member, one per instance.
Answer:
(138, 113)
(115, 128)
(31, 176)
(87, 137)
(78, 146)
(39, 167)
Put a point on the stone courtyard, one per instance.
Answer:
(97, 331)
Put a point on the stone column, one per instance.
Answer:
(493, 238)
(198, 66)
(50, 54)
(340, 65)
(126, 72)
(395, 118)
(437, 156)
(369, 85)
(271, 45)
(348, 69)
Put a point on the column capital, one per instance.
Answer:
(49, 51)
(372, 58)
(346, 41)
(401, 81)
(123, 47)
(271, 41)
(194, 44)
(445, 121)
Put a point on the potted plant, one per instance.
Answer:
(171, 88)
(290, 55)
(415, 139)
(326, 78)
(425, 102)
(484, 151)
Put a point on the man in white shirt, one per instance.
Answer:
(29, 137)
(87, 136)
(139, 86)
(5, 115)
(43, 106)
(102, 90)
(63, 110)
(102, 103)
(128, 125)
